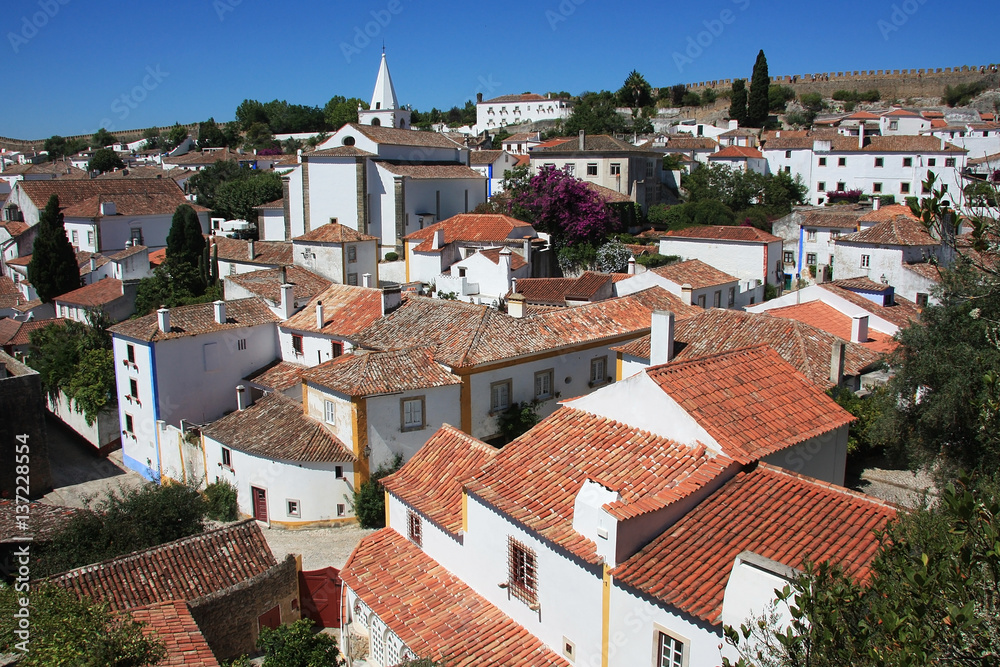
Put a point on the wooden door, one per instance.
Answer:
(259, 503)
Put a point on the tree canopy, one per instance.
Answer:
(635, 92)
(340, 111)
(743, 191)
(757, 99)
(57, 146)
(105, 160)
(738, 102)
(566, 208)
(185, 240)
(53, 269)
(595, 113)
(237, 198)
(103, 138)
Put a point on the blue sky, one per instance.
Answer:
(68, 63)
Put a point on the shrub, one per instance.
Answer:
(220, 501)
(517, 420)
(612, 257)
(887, 200)
(812, 270)
(391, 256)
(962, 94)
(577, 257)
(369, 499)
(654, 260)
(296, 645)
(657, 215)
(843, 196)
(770, 292)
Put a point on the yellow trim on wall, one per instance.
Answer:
(618, 366)
(465, 511)
(386, 492)
(605, 616)
(204, 457)
(359, 431)
(406, 260)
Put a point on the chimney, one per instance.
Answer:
(582, 140)
(861, 135)
(93, 263)
(859, 329)
(876, 203)
(437, 241)
(163, 319)
(220, 311)
(319, 315)
(242, 402)
(479, 98)
(686, 293)
(250, 252)
(515, 305)
(631, 266)
(287, 300)
(282, 275)
(392, 297)
(661, 337)
(734, 124)
(108, 208)
(366, 280)
(527, 250)
(837, 362)
(505, 261)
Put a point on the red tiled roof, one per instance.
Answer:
(550, 143)
(524, 97)
(472, 227)
(274, 253)
(197, 158)
(546, 291)
(128, 205)
(428, 170)
(277, 204)
(431, 482)
(275, 427)
(337, 151)
(782, 516)
(894, 144)
(23, 260)
(587, 286)
(347, 309)
(751, 401)
(862, 115)
(14, 227)
(595, 143)
(186, 569)
(694, 272)
(925, 270)
(278, 375)
(14, 332)
(901, 313)
(741, 152)
(901, 113)
(901, 231)
(834, 217)
(396, 137)
(535, 479)
(335, 232)
(172, 623)
(493, 254)
(73, 192)
(433, 612)
(722, 233)
(831, 320)
(127, 252)
(100, 293)
(83, 260)
(374, 373)
(485, 157)
(266, 283)
(45, 520)
(157, 257)
(888, 212)
(197, 319)
(690, 143)
(609, 195)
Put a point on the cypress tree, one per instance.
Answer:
(185, 242)
(738, 102)
(757, 101)
(53, 269)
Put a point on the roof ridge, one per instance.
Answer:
(675, 365)
(830, 486)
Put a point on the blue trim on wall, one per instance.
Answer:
(138, 466)
(156, 406)
(489, 181)
(798, 262)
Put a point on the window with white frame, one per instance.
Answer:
(616, 169)
(90, 237)
(500, 396)
(227, 457)
(866, 261)
(292, 507)
(591, 169)
(412, 413)
(569, 168)
(949, 162)
(330, 412)
(811, 259)
(543, 384)
(598, 370)
(669, 651)
(811, 235)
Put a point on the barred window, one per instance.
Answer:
(522, 572)
(414, 529)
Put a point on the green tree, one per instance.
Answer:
(176, 136)
(53, 269)
(69, 630)
(296, 645)
(258, 137)
(931, 596)
(122, 522)
(207, 181)
(250, 112)
(812, 103)
(55, 146)
(595, 113)
(210, 136)
(103, 138)
(635, 92)
(738, 102)
(173, 283)
(153, 139)
(757, 100)
(676, 94)
(185, 240)
(708, 96)
(236, 199)
(517, 420)
(497, 142)
(340, 111)
(92, 387)
(369, 499)
(105, 160)
(691, 99)
(778, 97)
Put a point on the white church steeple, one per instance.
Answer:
(384, 109)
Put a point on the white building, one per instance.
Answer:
(694, 281)
(902, 122)
(339, 253)
(239, 256)
(499, 112)
(184, 363)
(809, 233)
(113, 297)
(741, 158)
(752, 255)
(384, 109)
(492, 165)
(605, 534)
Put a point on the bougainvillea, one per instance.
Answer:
(566, 208)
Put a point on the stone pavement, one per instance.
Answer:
(319, 547)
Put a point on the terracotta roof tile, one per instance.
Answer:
(434, 613)
(275, 427)
(14, 227)
(127, 252)
(274, 253)
(535, 479)
(925, 270)
(278, 375)
(722, 233)
(277, 204)
(493, 254)
(886, 213)
(894, 144)
(338, 151)
(609, 195)
(266, 283)
(420, 170)
(834, 217)
(485, 157)
(690, 143)
(831, 320)
(83, 260)
(75, 191)
(901, 313)
(595, 143)
(587, 286)
(396, 137)
(750, 400)
(347, 310)
(545, 291)
(185, 569)
(15, 332)
(431, 482)
(335, 232)
(740, 152)
(127, 205)
(768, 511)
(694, 272)
(95, 294)
(197, 319)
(45, 520)
(524, 97)
(172, 623)
(473, 227)
(900, 231)
(374, 373)
(197, 158)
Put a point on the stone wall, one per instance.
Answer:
(228, 618)
(22, 413)
(892, 84)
